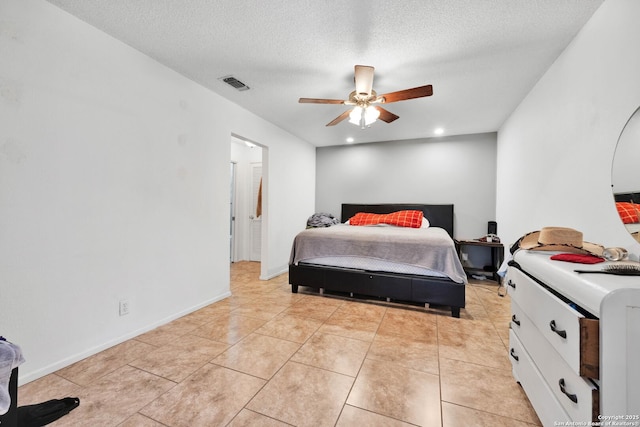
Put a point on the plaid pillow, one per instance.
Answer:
(412, 219)
(628, 212)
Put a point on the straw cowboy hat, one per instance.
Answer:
(559, 239)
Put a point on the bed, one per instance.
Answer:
(628, 206)
(442, 284)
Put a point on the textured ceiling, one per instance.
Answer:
(481, 56)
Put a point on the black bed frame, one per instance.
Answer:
(627, 197)
(408, 288)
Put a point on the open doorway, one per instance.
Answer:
(247, 206)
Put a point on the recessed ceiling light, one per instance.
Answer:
(438, 131)
(350, 139)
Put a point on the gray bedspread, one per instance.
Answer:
(430, 248)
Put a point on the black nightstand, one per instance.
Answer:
(497, 255)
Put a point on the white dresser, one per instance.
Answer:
(574, 342)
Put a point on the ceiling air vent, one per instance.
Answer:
(232, 81)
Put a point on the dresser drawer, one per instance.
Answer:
(544, 402)
(578, 396)
(573, 336)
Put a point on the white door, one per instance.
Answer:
(232, 214)
(255, 216)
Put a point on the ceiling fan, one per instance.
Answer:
(364, 113)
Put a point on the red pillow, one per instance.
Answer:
(628, 212)
(411, 219)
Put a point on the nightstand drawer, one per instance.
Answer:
(573, 336)
(578, 396)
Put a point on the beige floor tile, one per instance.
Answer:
(137, 420)
(303, 396)
(234, 301)
(292, 328)
(115, 397)
(46, 388)
(247, 418)
(467, 326)
(352, 416)
(212, 396)
(209, 313)
(470, 295)
(334, 353)
(346, 318)
(416, 324)
(259, 310)
(319, 313)
(456, 416)
(361, 311)
(486, 389)
(180, 359)
(421, 355)
(462, 343)
(248, 293)
(504, 336)
(359, 331)
(171, 332)
(397, 392)
(277, 297)
(474, 312)
(258, 355)
(316, 300)
(229, 329)
(94, 367)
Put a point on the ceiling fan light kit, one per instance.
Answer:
(363, 114)
(363, 117)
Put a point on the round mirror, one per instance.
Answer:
(625, 175)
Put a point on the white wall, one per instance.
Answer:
(555, 151)
(114, 183)
(459, 170)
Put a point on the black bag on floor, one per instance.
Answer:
(47, 412)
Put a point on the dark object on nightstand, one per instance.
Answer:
(492, 227)
(497, 255)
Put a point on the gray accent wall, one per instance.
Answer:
(457, 169)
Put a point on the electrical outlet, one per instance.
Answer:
(124, 307)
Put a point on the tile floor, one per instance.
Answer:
(267, 357)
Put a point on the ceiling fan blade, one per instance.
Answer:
(386, 116)
(363, 77)
(320, 101)
(401, 95)
(340, 118)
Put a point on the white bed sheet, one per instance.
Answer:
(633, 228)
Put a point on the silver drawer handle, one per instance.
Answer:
(515, 320)
(552, 325)
(514, 355)
(563, 389)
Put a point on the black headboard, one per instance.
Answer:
(627, 197)
(438, 215)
